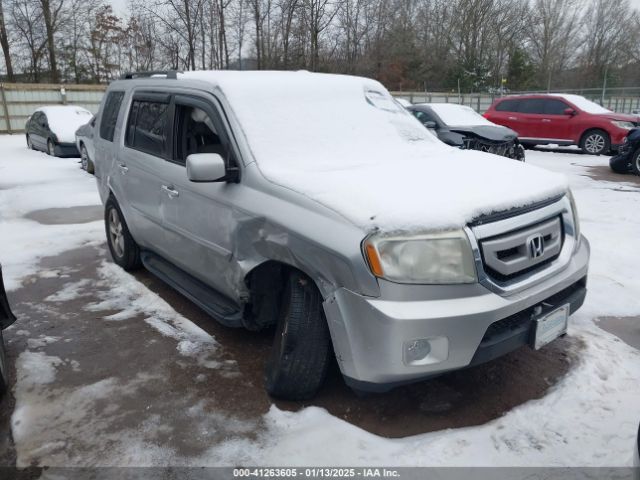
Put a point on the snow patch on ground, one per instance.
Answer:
(131, 298)
(69, 291)
(29, 181)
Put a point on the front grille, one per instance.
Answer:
(521, 251)
(505, 149)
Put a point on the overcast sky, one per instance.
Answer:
(120, 6)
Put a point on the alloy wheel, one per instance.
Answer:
(594, 143)
(116, 235)
(84, 156)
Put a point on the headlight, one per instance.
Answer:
(574, 213)
(438, 258)
(622, 124)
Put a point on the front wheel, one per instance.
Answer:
(595, 142)
(301, 349)
(30, 143)
(123, 248)
(635, 163)
(87, 164)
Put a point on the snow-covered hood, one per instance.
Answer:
(345, 143)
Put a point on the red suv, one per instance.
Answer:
(562, 120)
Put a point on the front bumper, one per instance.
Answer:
(66, 150)
(369, 334)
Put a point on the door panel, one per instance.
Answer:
(555, 124)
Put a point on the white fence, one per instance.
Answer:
(19, 100)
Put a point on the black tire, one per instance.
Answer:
(4, 374)
(301, 349)
(528, 146)
(51, 148)
(123, 248)
(635, 162)
(30, 143)
(595, 142)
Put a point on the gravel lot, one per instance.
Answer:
(113, 369)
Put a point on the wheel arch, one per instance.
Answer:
(593, 129)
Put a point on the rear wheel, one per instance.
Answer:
(595, 142)
(635, 163)
(123, 248)
(302, 346)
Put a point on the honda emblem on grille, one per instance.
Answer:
(536, 246)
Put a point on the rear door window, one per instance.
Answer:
(147, 128)
(532, 106)
(110, 115)
(508, 106)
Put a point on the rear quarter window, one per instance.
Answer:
(110, 115)
(532, 105)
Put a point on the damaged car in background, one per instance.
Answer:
(461, 126)
(441, 258)
(628, 158)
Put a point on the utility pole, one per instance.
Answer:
(604, 84)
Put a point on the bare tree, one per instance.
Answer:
(4, 43)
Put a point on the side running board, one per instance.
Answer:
(221, 308)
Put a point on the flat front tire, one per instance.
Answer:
(29, 143)
(301, 349)
(123, 248)
(87, 164)
(51, 148)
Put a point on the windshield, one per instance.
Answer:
(584, 104)
(458, 115)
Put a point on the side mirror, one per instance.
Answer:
(570, 111)
(206, 167)
(430, 124)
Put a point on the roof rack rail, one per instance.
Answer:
(170, 74)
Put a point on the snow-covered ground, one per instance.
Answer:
(589, 418)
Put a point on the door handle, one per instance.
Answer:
(513, 118)
(123, 168)
(170, 191)
(546, 120)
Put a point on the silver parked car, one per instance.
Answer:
(318, 206)
(84, 142)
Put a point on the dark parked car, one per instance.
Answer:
(53, 129)
(628, 157)
(460, 126)
(562, 119)
(6, 319)
(84, 142)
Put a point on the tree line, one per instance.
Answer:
(433, 45)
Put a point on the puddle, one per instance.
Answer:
(67, 216)
(626, 329)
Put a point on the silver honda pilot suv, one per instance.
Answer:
(316, 206)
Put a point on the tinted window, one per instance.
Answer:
(147, 127)
(110, 115)
(508, 106)
(534, 105)
(555, 107)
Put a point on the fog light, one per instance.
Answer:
(425, 351)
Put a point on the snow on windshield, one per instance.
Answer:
(347, 144)
(64, 120)
(583, 104)
(458, 115)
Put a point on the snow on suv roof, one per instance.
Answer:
(344, 142)
(582, 103)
